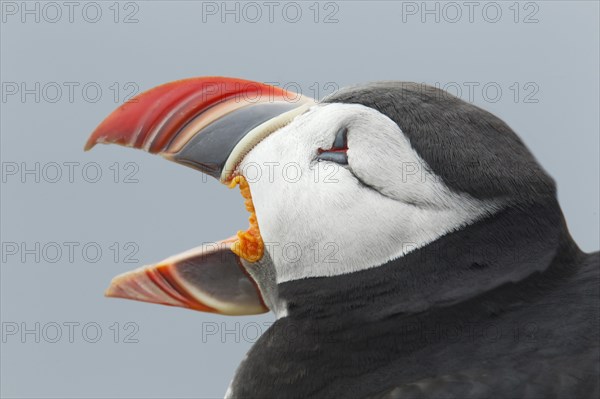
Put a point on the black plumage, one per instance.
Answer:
(506, 307)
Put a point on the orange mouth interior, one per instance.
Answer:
(249, 245)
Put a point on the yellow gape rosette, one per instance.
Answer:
(249, 245)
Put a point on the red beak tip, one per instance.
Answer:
(113, 291)
(119, 287)
(91, 142)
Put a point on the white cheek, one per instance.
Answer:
(318, 219)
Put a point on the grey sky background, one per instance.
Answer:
(534, 64)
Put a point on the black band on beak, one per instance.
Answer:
(201, 122)
(209, 149)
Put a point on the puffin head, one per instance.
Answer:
(366, 176)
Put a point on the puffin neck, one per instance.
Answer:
(500, 251)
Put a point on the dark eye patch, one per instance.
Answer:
(338, 151)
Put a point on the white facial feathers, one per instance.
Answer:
(323, 218)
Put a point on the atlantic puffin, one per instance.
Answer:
(408, 242)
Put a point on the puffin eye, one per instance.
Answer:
(337, 152)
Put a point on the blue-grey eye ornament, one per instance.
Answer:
(338, 152)
(482, 242)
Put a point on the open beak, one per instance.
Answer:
(210, 124)
(210, 278)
